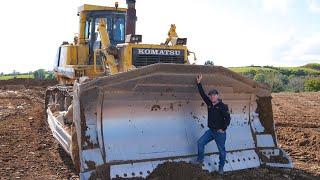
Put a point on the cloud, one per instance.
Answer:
(299, 51)
(314, 5)
(276, 5)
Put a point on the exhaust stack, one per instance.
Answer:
(131, 17)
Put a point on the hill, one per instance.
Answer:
(306, 70)
(296, 79)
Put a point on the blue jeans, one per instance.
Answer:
(220, 139)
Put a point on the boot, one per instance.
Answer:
(197, 162)
(220, 170)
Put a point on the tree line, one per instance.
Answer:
(279, 79)
(38, 74)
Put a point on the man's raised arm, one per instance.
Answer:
(201, 91)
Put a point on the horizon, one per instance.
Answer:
(230, 33)
(263, 66)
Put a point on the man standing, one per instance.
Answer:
(218, 121)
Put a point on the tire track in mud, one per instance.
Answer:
(297, 119)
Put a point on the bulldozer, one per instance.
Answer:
(122, 107)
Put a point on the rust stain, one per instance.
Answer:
(171, 106)
(85, 140)
(102, 172)
(91, 164)
(155, 107)
(264, 109)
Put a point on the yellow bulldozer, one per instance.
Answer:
(122, 107)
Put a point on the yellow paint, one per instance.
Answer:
(89, 7)
(82, 25)
(172, 34)
(105, 41)
(76, 56)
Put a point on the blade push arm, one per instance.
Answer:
(105, 42)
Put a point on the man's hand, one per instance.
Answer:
(199, 77)
(221, 131)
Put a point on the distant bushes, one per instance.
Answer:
(312, 84)
(315, 66)
(280, 82)
(293, 79)
(39, 74)
(209, 63)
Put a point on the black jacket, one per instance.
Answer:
(218, 114)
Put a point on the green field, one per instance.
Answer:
(306, 70)
(6, 77)
(10, 76)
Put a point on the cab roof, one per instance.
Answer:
(89, 7)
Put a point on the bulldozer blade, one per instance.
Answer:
(129, 123)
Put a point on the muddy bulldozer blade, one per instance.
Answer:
(129, 123)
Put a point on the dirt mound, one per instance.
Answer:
(185, 171)
(178, 171)
(18, 83)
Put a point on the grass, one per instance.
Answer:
(6, 77)
(307, 70)
(315, 66)
(248, 69)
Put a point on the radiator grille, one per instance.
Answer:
(144, 57)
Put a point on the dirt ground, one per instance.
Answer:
(28, 150)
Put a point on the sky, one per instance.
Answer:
(228, 32)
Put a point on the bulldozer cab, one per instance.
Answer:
(116, 22)
(115, 28)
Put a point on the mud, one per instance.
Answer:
(101, 173)
(279, 159)
(264, 109)
(91, 164)
(179, 170)
(155, 107)
(273, 159)
(28, 150)
(184, 171)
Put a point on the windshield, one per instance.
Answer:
(115, 28)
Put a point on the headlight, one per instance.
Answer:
(133, 38)
(181, 41)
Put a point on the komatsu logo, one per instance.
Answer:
(165, 52)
